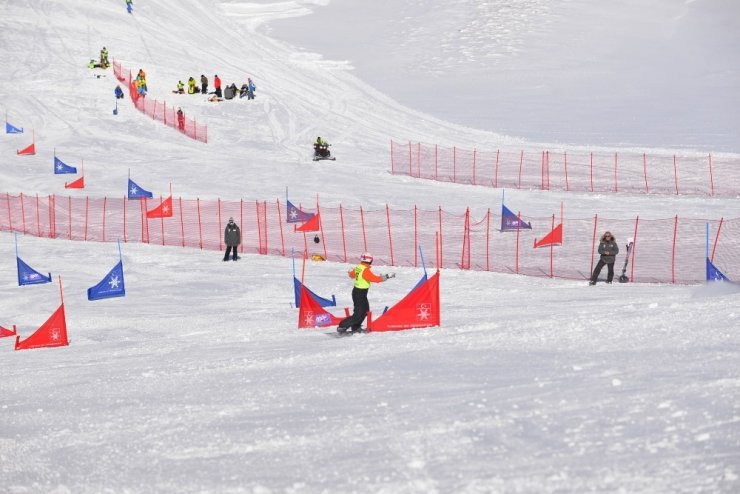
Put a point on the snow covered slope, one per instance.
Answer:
(198, 381)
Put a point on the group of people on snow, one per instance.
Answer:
(229, 92)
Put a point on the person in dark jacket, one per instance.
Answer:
(203, 84)
(232, 239)
(217, 86)
(608, 249)
(363, 277)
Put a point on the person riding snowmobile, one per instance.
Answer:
(321, 148)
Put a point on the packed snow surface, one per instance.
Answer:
(198, 380)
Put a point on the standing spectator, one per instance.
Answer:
(363, 277)
(129, 6)
(142, 76)
(232, 239)
(203, 84)
(608, 249)
(250, 88)
(180, 120)
(217, 86)
(104, 58)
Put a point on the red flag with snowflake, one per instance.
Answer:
(164, 210)
(52, 333)
(5, 332)
(418, 309)
(312, 315)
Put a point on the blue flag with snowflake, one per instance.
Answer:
(510, 221)
(61, 167)
(136, 192)
(110, 286)
(12, 129)
(29, 276)
(714, 274)
(323, 302)
(295, 215)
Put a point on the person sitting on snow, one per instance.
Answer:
(118, 92)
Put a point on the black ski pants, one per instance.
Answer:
(361, 308)
(597, 271)
(228, 250)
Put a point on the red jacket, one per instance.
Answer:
(217, 83)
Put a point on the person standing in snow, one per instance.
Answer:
(104, 58)
(608, 249)
(118, 92)
(364, 277)
(129, 6)
(250, 88)
(191, 86)
(180, 120)
(217, 86)
(203, 84)
(232, 239)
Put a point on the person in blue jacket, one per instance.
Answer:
(119, 92)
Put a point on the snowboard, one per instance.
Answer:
(337, 334)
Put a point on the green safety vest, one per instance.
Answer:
(361, 282)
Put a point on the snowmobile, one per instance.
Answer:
(321, 152)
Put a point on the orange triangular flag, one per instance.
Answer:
(52, 333)
(312, 225)
(28, 150)
(164, 210)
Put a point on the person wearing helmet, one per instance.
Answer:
(363, 276)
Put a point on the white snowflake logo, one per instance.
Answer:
(114, 281)
(425, 311)
(309, 318)
(165, 209)
(134, 190)
(293, 213)
(59, 166)
(56, 334)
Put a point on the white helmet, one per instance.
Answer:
(366, 257)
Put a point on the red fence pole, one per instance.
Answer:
(38, 218)
(634, 249)
(440, 236)
(393, 168)
(616, 180)
(565, 167)
(521, 164)
(390, 235)
(675, 173)
(416, 240)
(518, 229)
(593, 244)
(364, 236)
(280, 223)
(711, 176)
(23, 214)
(241, 225)
(200, 227)
(714, 247)
(644, 172)
(161, 221)
(495, 176)
(673, 252)
(341, 220)
(474, 166)
(488, 237)
(418, 159)
(410, 174)
(220, 240)
(10, 217)
(591, 166)
(551, 247)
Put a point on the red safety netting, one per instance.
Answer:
(159, 110)
(570, 171)
(669, 250)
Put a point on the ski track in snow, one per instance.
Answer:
(198, 381)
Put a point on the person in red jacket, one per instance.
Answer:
(217, 85)
(363, 276)
(180, 120)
